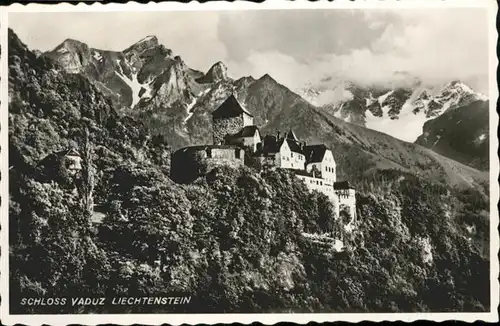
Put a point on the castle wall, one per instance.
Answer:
(321, 186)
(226, 126)
(250, 142)
(190, 163)
(227, 154)
(347, 201)
(289, 159)
(327, 167)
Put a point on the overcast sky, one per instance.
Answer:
(292, 46)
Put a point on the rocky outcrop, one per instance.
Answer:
(73, 56)
(216, 73)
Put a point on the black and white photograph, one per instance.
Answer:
(313, 160)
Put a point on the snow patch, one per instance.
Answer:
(62, 50)
(96, 55)
(192, 104)
(382, 98)
(437, 140)
(134, 85)
(482, 137)
(407, 127)
(188, 109)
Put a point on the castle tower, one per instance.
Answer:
(228, 119)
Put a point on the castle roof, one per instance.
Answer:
(230, 108)
(204, 147)
(291, 135)
(247, 131)
(342, 185)
(314, 153)
(272, 144)
(294, 145)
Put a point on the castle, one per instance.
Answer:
(235, 136)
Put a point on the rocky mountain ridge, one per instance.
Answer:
(397, 108)
(148, 82)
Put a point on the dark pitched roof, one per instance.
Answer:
(68, 151)
(294, 145)
(247, 131)
(342, 185)
(58, 156)
(72, 151)
(314, 153)
(230, 108)
(291, 135)
(272, 145)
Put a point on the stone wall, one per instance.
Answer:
(190, 163)
(225, 126)
(347, 202)
(320, 186)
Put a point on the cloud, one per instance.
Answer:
(294, 46)
(302, 34)
(436, 45)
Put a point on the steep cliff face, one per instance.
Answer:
(216, 73)
(461, 134)
(73, 55)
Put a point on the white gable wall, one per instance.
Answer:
(327, 167)
(247, 120)
(289, 159)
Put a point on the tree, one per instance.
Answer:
(87, 185)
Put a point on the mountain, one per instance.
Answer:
(126, 76)
(176, 101)
(399, 107)
(461, 134)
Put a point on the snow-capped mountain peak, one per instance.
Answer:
(399, 107)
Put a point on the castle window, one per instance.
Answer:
(292, 154)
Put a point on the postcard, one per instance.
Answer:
(240, 162)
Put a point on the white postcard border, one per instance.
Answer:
(177, 319)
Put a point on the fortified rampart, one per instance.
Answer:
(189, 163)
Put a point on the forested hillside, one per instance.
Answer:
(234, 238)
